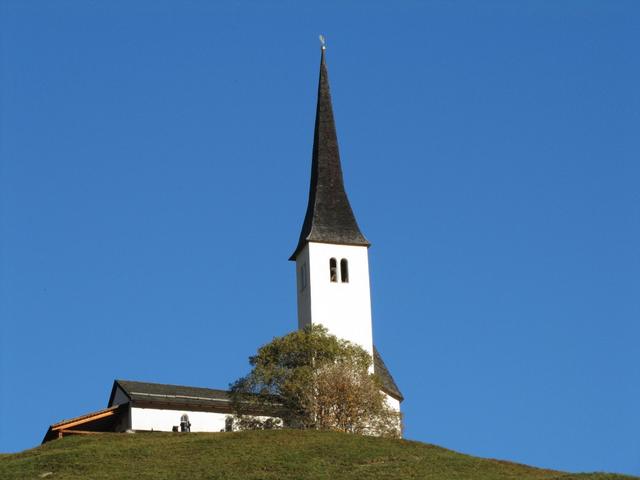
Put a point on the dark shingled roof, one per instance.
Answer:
(179, 397)
(388, 383)
(329, 218)
(169, 394)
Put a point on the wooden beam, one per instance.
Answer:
(79, 432)
(72, 424)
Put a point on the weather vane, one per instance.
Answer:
(322, 42)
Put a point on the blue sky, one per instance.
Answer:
(155, 162)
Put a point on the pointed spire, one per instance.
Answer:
(329, 218)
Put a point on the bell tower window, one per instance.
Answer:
(344, 270)
(333, 270)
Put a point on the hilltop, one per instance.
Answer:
(282, 455)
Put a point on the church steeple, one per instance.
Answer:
(329, 218)
(332, 256)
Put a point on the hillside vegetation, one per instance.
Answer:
(282, 455)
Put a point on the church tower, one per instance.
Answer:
(332, 262)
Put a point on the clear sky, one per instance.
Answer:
(155, 161)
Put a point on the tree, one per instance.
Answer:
(313, 380)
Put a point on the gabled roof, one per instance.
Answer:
(178, 395)
(388, 383)
(329, 218)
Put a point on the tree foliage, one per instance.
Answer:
(313, 380)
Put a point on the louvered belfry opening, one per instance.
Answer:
(344, 271)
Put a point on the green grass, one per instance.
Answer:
(282, 455)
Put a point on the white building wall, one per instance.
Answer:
(392, 402)
(164, 420)
(343, 308)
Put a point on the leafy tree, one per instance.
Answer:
(313, 380)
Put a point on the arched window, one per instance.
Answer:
(333, 270)
(185, 424)
(344, 270)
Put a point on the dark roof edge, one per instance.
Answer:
(303, 244)
(121, 383)
(388, 383)
(116, 384)
(398, 396)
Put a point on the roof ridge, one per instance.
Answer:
(120, 382)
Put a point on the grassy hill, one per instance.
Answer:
(282, 455)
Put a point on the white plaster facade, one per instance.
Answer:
(392, 402)
(164, 420)
(344, 308)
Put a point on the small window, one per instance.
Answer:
(333, 270)
(185, 424)
(344, 270)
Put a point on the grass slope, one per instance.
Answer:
(282, 455)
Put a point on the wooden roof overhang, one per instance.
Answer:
(91, 423)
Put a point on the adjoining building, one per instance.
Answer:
(142, 406)
(333, 290)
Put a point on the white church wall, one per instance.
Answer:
(164, 420)
(344, 308)
(392, 402)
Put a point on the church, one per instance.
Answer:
(333, 290)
